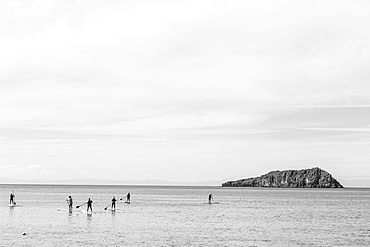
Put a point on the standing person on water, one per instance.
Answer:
(128, 197)
(70, 203)
(113, 206)
(210, 198)
(12, 202)
(89, 205)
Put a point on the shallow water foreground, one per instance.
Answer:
(180, 216)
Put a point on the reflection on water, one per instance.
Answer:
(89, 224)
(11, 209)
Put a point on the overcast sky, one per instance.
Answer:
(183, 90)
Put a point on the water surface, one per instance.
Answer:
(180, 216)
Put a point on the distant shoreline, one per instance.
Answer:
(176, 185)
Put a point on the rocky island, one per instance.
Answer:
(305, 178)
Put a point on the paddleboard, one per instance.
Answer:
(66, 210)
(12, 205)
(211, 202)
(128, 202)
(110, 210)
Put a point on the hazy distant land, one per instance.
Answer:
(90, 181)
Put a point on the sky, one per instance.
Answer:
(185, 91)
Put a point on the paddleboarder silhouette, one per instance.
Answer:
(113, 206)
(12, 198)
(210, 198)
(89, 205)
(70, 203)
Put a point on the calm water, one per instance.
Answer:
(179, 216)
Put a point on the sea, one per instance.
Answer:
(181, 216)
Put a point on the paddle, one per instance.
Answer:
(81, 205)
(124, 198)
(107, 206)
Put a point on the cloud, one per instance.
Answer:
(92, 70)
(29, 171)
(164, 51)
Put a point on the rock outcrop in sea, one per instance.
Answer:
(305, 178)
